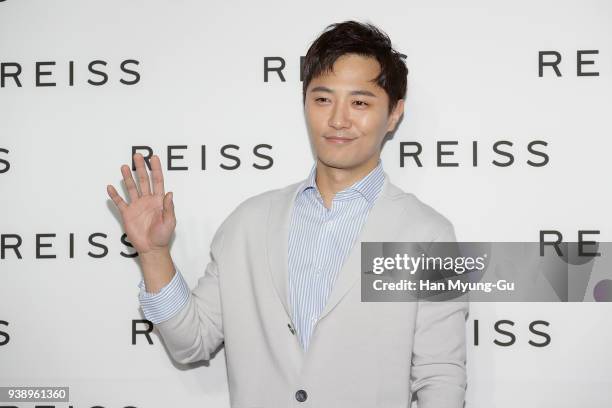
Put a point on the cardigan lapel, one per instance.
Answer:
(377, 227)
(277, 240)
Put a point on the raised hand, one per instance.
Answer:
(149, 219)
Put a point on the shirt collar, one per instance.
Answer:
(368, 187)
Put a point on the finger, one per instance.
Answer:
(168, 211)
(116, 197)
(143, 176)
(130, 184)
(157, 175)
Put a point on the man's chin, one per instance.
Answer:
(339, 163)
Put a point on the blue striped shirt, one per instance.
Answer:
(320, 239)
(161, 306)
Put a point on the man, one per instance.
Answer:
(281, 290)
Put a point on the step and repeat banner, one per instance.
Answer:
(506, 132)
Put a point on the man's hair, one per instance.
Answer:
(365, 39)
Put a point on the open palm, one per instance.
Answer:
(148, 220)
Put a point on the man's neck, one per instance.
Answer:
(331, 180)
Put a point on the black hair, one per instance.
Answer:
(365, 39)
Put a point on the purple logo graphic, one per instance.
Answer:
(602, 292)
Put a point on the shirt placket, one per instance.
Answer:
(318, 281)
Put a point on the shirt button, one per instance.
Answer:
(301, 395)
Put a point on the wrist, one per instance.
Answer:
(157, 268)
(155, 255)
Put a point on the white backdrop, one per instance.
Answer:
(67, 320)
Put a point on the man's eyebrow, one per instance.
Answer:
(356, 92)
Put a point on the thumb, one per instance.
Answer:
(168, 211)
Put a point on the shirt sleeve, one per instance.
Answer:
(161, 306)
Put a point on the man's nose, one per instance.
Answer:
(339, 118)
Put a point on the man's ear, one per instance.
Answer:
(395, 115)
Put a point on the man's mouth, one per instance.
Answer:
(338, 140)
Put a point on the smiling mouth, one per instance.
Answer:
(338, 140)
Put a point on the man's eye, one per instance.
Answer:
(361, 103)
(320, 99)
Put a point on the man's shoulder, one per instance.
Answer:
(262, 200)
(415, 211)
(258, 205)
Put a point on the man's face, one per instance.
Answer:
(347, 114)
